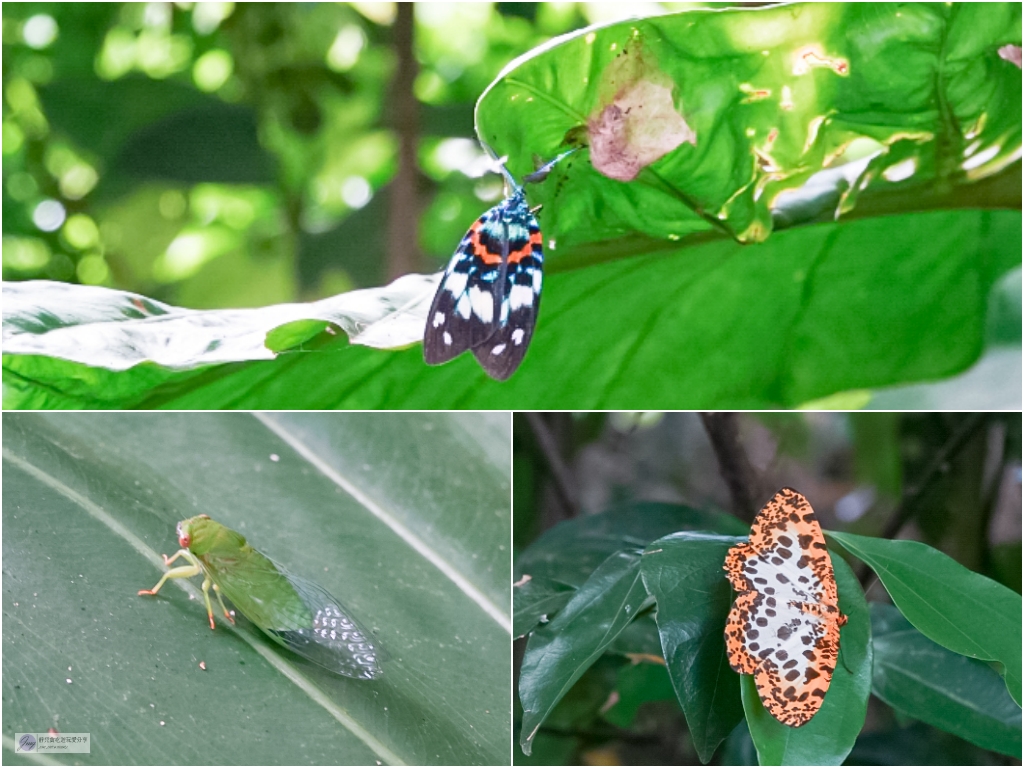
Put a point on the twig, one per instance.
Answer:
(556, 464)
(912, 492)
(724, 434)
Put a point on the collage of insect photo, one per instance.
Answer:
(512, 384)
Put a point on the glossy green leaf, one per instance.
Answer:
(560, 652)
(684, 573)
(362, 504)
(828, 737)
(726, 115)
(570, 551)
(960, 610)
(925, 681)
(640, 637)
(534, 599)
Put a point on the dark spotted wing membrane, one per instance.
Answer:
(502, 353)
(334, 640)
(465, 309)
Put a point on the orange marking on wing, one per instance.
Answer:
(514, 257)
(784, 625)
(479, 249)
(740, 658)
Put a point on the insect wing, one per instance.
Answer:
(784, 625)
(335, 640)
(298, 614)
(465, 309)
(258, 588)
(502, 353)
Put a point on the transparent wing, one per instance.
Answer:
(298, 614)
(334, 639)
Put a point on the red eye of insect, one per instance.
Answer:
(183, 538)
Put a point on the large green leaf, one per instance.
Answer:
(365, 505)
(570, 551)
(925, 681)
(957, 608)
(728, 114)
(56, 329)
(828, 737)
(684, 573)
(560, 652)
(811, 312)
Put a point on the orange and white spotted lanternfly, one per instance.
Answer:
(784, 625)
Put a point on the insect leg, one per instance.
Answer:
(227, 614)
(181, 572)
(206, 597)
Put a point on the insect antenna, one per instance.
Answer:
(542, 173)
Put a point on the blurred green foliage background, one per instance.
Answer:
(169, 148)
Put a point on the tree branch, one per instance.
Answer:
(403, 254)
(560, 473)
(724, 434)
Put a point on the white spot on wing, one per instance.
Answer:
(517, 336)
(447, 339)
(483, 304)
(456, 283)
(520, 296)
(438, 319)
(498, 349)
(464, 308)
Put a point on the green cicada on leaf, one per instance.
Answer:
(293, 612)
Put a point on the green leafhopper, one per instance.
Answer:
(291, 611)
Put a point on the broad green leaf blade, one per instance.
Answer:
(709, 119)
(781, 323)
(91, 501)
(535, 598)
(117, 331)
(570, 551)
(640, 637)
(925, 681)
(684, 573)
(560, 652)
(392, 473)
(828, 737)
(716, 325)
(957, 608)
